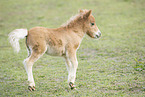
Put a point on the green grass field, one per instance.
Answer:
(113, 66)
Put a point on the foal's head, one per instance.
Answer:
(90, 26)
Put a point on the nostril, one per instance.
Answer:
(97, 36)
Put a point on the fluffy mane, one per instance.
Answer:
(71, 20)
(74, 18)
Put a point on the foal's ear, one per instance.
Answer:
(87, 14)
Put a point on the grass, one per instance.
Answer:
(112, 66)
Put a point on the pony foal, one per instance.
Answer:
(63, 41)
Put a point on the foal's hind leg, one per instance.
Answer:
(28, 64)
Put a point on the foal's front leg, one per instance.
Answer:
(72, 64)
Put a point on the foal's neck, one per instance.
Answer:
(76, 27)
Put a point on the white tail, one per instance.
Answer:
(15, 36)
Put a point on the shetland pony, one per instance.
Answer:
(63, 41)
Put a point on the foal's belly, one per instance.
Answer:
(55, 51)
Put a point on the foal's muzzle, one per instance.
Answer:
(98, 34)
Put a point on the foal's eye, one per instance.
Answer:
(92, 24)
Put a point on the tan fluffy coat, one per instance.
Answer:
(63, 41)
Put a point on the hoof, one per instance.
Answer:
(72, 86)
(31, 88)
